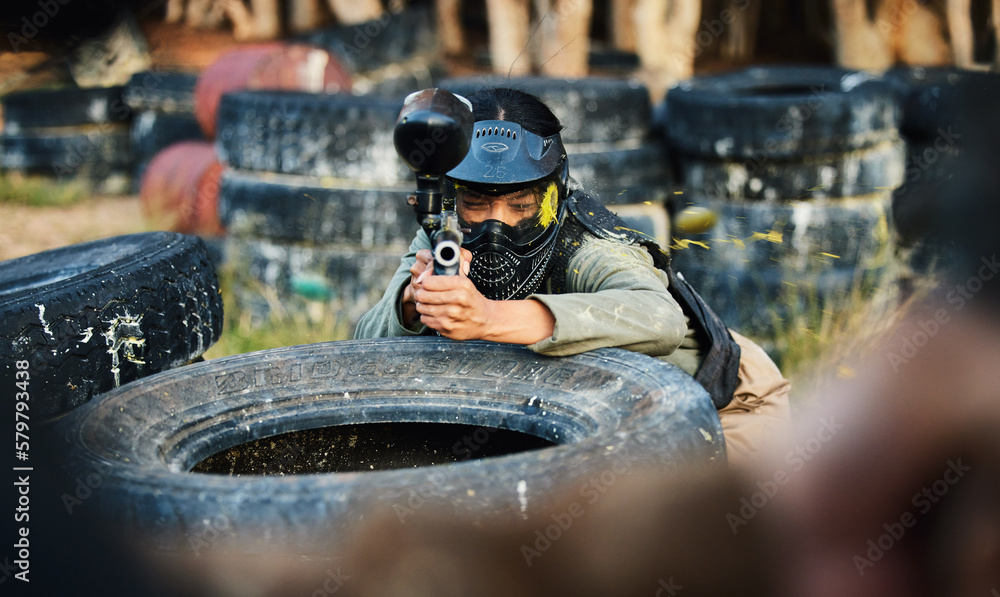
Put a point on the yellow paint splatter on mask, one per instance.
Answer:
(547, 211)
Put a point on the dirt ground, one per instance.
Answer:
(25, 230)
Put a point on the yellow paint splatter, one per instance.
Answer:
(547, 211)
(683, 243)
(773, 236)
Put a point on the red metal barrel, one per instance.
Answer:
(180, 189)
(276, 65)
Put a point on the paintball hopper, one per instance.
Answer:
(432, 136)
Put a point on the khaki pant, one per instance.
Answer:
(759, 413)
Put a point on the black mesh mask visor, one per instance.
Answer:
(510, 262)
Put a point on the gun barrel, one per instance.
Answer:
(447, 258)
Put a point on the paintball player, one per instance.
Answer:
(548, 267)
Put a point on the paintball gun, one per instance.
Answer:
(432, 136)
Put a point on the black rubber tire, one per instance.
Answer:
(591, 109)
(766, 265)
(610, 412)
(63, 107)
(393, 38)
(65, 152)
(163, 91)
(795, 237)
(773, 306)
(630, 172)
(931, 97)
(93, 316)
(780, 112)
(930, 175)
(339, 136)
(874, 169)
(96, 156)
(153, 130)
(342, 279)
(396, 81)
(296, 208)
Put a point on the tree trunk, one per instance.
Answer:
(740, 39)
(665, 42)
(564, 30)
(450, 26)
(240, 17)
(995, 19)
(920, 37)
(267, 18)
(352, 12)
(959, 14)
(623, 24)
(859, 43)
(175, 11)
(509, 21)
(304, 15)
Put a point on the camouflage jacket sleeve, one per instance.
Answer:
(616, 297)
(383, 320)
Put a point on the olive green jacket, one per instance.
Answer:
(615, 297)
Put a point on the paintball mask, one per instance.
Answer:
(511, 260)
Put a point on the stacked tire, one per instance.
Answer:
(69, 135)
(314, 202)
(612, 151)
(932, 100)
(797, 164)
(162, 104)
(391, 56)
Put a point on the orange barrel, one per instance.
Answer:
(276, 65)
(180, 189)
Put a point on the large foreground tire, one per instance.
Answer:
(608, 412)
(90, 317)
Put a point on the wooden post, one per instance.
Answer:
(352, 12)
(304, 15)
(959, 13)
(919, 36)
(740, 38)
(509, 22)
(859, 43)
(995, 17)
(623, 24)
(564, 37)
(175, 11)
(450, 26)
(665, 42)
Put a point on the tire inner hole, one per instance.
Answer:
(367, 447)
(780, 90)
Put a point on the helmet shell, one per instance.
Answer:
(504, 153)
